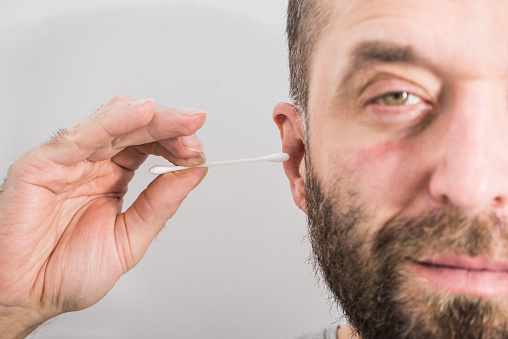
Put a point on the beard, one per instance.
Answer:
(370, 279)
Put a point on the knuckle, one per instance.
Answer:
(58, 138)
(186, 130)
(100, 116)
(120, 98)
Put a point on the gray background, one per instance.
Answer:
(233, 262)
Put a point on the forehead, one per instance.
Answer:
(461, 37)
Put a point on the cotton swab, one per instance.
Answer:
(279, 157)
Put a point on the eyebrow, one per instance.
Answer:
(370, 53)
(383, 51)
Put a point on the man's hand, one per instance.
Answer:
(63, 239)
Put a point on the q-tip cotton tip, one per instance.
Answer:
(279, 157)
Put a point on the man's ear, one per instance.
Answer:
(290, 126)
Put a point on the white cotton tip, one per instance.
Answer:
(279, 157)
(157, 170)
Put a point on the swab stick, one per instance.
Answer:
(279, 157)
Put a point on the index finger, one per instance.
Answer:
(125, 119)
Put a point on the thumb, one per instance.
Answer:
(136, 228)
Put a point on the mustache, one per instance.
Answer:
(439, 231)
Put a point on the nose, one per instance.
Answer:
(472, 168)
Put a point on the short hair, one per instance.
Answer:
(305, 21)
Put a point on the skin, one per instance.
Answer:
(398, 166)
(63, 239)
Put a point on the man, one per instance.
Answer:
(397, 155)
(400, 161)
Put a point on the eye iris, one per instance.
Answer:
(399, 98)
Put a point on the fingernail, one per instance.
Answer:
(189, 111)
(200, 160)
(192, 143)
(140, 102)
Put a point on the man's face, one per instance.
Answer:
(407, 165)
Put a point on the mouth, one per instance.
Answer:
(475, 276)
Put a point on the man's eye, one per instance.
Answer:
(398, 99)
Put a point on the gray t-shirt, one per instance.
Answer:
(327, 333)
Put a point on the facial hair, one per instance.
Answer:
(370, 279)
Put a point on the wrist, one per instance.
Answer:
(18, 322)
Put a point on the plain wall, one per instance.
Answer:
(233, 262)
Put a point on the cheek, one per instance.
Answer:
(380, 152)
(386, 175)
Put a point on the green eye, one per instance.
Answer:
(398, 99)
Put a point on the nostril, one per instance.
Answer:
(444, 199)
(499, 201)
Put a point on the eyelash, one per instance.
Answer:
(409, 98)
(400, 112)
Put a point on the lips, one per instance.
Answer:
(470, 263)
(476, 276)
